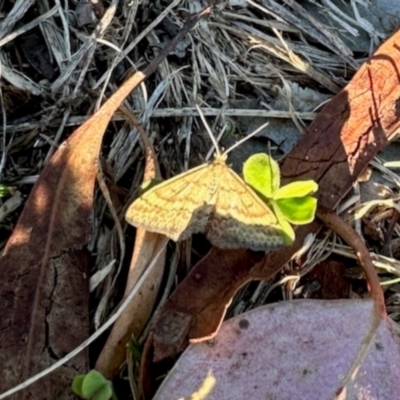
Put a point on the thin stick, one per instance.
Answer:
(347, 233)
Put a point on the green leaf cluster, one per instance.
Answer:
(93, 386)
(292, 203)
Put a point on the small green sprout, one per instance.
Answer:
(135, 348)
(6, 190)
(93, 386)
(292, 203)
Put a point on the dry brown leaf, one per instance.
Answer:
(44, 273)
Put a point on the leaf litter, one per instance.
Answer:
(220, 74)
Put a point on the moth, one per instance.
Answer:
(210, 199)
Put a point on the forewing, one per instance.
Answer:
(177, 207)
(241, 219)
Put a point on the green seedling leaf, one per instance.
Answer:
(93, 386)
(135, 349)
(287, 229)
(5, 190)
(296, 189)
(298, 210)
(96, 387)
(77, 384)
(261, 172)
(104, 393)
(291, 203)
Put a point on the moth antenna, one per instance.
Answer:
(250, 135)
(219, 137)
(208, 130)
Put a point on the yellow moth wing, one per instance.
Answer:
(235, 199)
(240, 218)
(168, 207)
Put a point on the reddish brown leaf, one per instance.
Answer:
(199, 314)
